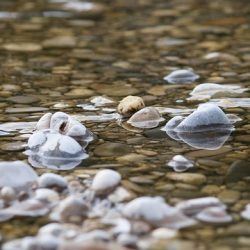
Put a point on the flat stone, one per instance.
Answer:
(23, 99)
(25, 110)
(22, 47)
(229, 196)
(13, 146)
(131, 158)
(60, 42)
(206, 153)
(112, 149)
(189, 178)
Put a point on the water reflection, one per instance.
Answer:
(210, 140)
(54, 163)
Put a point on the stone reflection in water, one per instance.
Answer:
(211, 140)
(206, 128)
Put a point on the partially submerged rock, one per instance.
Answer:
(181, 76)
(16, 174)
(180, 164)
(54, 150)
(129, 105)
(206, 117)
(214, 215)
(65, 125)
(148, 117)
(206, 128)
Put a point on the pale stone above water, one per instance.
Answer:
(16, 174)
(105, 181)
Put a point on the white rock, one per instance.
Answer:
(181, 76)
(101, 101)
(72, 209)
(164, 233)
(48, 180)
(173, 123)
(194, 206)
(151, 209)
(54, 145)
(214, 215)
(207, 90)
(105, 180)
(36, 140)
(48, 195)
(206, 117)
(44, 122)
(16, 174)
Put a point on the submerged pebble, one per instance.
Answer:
(180, 164)
(148, 117)
(181, 76)
(156, 212)
(206, 117)
(105, 181)
(129, 105)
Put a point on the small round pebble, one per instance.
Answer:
(129, 105)
(105, 181)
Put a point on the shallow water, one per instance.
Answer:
(54, 58)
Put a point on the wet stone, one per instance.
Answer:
(111, 149)
(105, 181)
(10, 170)
(189, 178)
(23, 99)
(180, 164)
(22, 47)
(60, 42)
(147, 117)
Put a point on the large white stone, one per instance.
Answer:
(16, 174)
